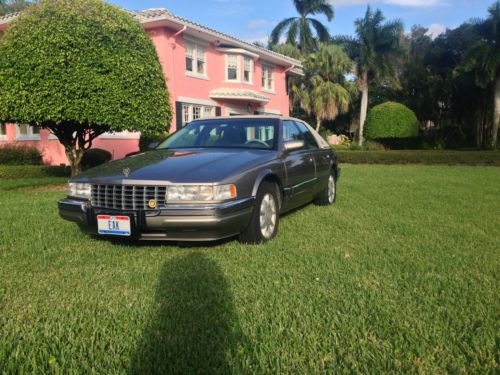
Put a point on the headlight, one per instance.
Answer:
(79, 190)
(200, 193)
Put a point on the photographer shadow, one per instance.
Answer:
(194, 329)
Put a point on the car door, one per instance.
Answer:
(299, 166)
(321, 158)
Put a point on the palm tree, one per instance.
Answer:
(484, 59)
(325, 92)
(375, 50)
(300, 28)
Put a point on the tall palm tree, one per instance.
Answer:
(299, 29)
(375, 50)
(484, 59)
(325, 92)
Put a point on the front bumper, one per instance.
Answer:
(176, 223)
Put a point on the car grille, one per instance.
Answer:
(127, 197)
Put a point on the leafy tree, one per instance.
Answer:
(391, 120)
(484, 60)
(81, 68)
(324, 92)
(375, 51)
(299, 29)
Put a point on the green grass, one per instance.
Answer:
(401, 275)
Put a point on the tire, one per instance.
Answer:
(264, 223)
(329, 194)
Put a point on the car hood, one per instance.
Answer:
(179, 166)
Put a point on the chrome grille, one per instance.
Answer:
(127, 197)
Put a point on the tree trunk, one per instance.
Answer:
(364, 106)
(496, 118)
(318, 124)
(75, 158)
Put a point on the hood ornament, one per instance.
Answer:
(126, 171)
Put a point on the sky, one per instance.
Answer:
(253, 20)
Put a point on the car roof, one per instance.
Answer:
(280, 117)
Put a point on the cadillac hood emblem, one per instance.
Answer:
(126, 172)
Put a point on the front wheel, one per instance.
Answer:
(265, 218)
(329, 194)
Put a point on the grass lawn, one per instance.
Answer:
(401, 275)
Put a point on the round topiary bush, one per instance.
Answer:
(391, 120)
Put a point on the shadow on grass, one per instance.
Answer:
(194, 329)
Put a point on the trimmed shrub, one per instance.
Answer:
(20, 155)
(32, 171)
(147, 139)
(428, 157)
(391, 120)
(94, 157)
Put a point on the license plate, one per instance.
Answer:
(113, 225)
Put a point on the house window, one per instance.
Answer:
(27, 132)
(195, 59)
(247, 69)
(192, 112)
(3, 132)
(232, 67)
(267, 78)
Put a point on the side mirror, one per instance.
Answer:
(294, 145)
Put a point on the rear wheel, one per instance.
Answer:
(265, 218)
(329, 194)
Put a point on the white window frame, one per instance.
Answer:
(249, 60)
(199, 54)
(3, 136)
(238, 67)
(268, 72)
(29, 136)
(196, 111)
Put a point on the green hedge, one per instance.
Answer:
(429, 157)
(20, 155)
(32, 171)
(391, 120)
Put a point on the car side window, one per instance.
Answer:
(308, 137)
(291, 132)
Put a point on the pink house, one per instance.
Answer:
(208, 74)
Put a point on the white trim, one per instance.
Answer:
(3, 138)
(266, 111)
(184, 99)
(121, 135)
(251, 71)
(196, 75)
(272, 68)
(238, 51)
(52, 137)
(240, 110)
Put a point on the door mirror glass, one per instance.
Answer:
(294, 145)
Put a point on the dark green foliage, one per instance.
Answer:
(391, 120)
(32, 171)
(428, 157)
(20, 155)
(95, 157)
(148, 139)
(81, 68)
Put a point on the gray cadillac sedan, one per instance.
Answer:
(212, 179)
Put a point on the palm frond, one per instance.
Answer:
(321, 31)
(280, 29)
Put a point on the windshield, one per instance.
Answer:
(226, 133)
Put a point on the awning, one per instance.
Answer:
(238, 94)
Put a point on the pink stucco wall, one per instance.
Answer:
(170, 46)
